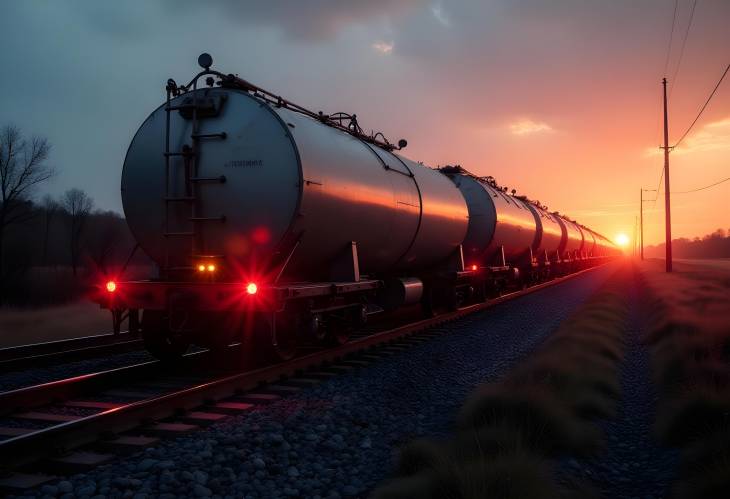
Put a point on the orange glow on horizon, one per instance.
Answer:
(622, 240)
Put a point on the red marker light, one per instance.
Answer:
(111, 286)
(251, 288)
(473, 267)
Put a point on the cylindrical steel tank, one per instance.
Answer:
(496, 220)
(604, 247)
(589, 246)
(549, 232)
(290, 182)
(572, 236)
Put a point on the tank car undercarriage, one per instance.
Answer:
(278, 319)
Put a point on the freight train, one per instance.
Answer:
(272, 223)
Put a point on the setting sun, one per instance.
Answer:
(622, 240)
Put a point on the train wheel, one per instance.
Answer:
(159, 340)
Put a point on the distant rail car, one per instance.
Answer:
(272, 223)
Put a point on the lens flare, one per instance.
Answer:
(111, 286)
(251, 288)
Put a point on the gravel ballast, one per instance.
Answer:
(633, 464)
(338, 438)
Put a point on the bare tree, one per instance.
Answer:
(108, 234)
(22, 167)
(78, 205)
(50, 209)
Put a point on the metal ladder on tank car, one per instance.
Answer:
(190, 155)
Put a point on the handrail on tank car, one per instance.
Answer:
(334, 120)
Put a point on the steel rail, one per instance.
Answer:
(30, 397)
(21, 450)
(68, 350)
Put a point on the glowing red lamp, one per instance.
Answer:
(473, 267)
(111, 286)
(251, 288)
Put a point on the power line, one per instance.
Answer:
(703, 188)
(671, 35)
(681, 51)
(666, 62)
(703, 107)
(661, 177)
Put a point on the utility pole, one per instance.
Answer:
(641, 224)
(667, 207)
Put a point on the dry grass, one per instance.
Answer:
(22, 326)
(545, 423)
(513, 475)
(689, 336)
(544, 408)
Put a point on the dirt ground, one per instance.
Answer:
(22, 326)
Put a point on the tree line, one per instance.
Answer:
(50, 249)
(715, 245)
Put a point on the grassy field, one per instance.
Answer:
(22, 326)
(689, 339)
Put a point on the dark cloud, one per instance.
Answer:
(312, 20)
(124, 20)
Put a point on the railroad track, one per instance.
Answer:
(57, 352)
(130, 408)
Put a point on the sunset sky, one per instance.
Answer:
(558, 99)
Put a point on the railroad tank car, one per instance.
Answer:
(306, 182)
(502, 228)
(268, 222)
(572, 237)
(589, 244)
(550, 233)
(605, 247)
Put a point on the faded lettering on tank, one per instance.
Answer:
(244, 163)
